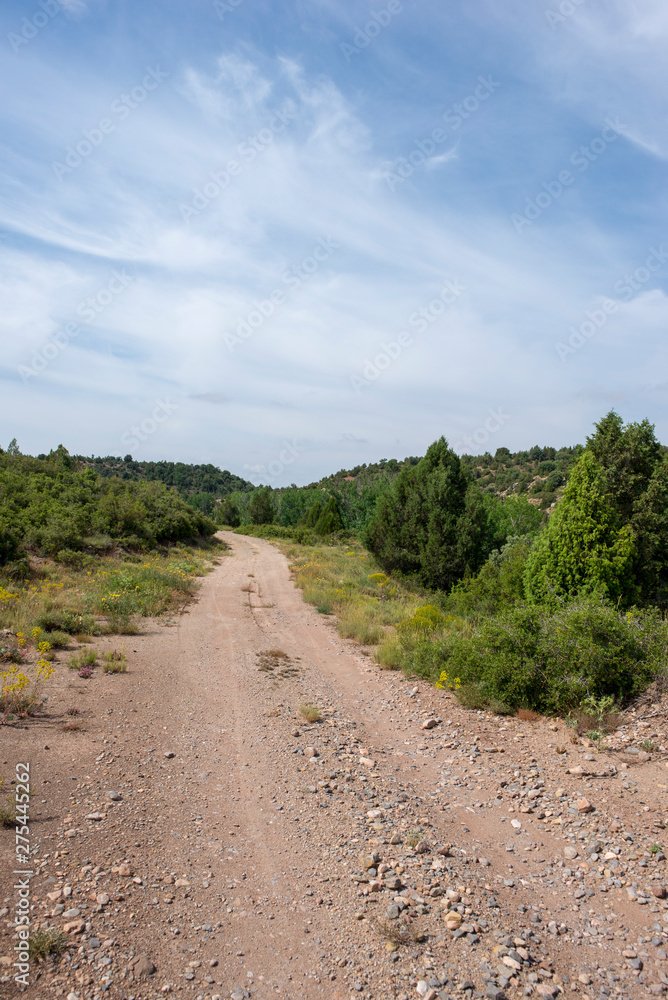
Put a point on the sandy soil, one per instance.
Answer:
(243, 852)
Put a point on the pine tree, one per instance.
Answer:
(432, 522)
(260, 507)
(586, 547)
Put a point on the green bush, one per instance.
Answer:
(498, 585)
(59, 640)
(265, 531)
(552, 661)
(55, 507)
(63, 620)
(260, 508)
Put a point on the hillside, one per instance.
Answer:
(199, 485)
(541, 473)
(54, 507)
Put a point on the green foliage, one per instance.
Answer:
(551, 661)
(324, 517)
(627, 457)
(266, 531)
(498, 585)
(228, 513)
(260, 507)
(512, 516)
(585, 548)
(432, 523)
(63, 621)
(44, 943)
(423, 622)
(188, 480)
(54, 507)
(86, 658)
(650, 524)
(114, 662)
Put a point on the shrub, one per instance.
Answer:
(553, 661)
(43, 943)
(20, 695)
(309, 713)
(64, 620)
(59, 640)
(356, 621)
(390, 654)
(432, 523)
(228, 513)
(260, 507)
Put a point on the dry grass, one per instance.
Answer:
(309, 713)
(398, 933)
(276, 663)
(106, 598)
(345, 580)
(527, 715)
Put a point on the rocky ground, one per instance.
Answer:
(196, 836)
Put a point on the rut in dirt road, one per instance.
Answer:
(399, 847)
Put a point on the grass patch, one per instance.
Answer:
(43, 944)
(86, 658)
(60, 640)
(344, 580)
(108, 596)
(309, 713)
(7, 814)
(114, 662)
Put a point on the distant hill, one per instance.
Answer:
(199, 485)
(541, 473)
(366, 475)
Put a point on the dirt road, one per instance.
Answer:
(197, 836)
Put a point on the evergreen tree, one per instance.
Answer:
(330, 519)
(627, 456)
(260, 507)
(432, 522)
(228, 513)
(650, 524)
(586, 547)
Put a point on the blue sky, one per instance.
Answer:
(288, 239)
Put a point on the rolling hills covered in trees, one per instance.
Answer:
(200, 485)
